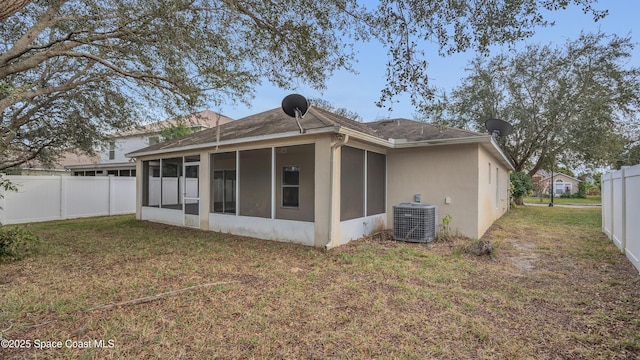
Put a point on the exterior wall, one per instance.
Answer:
(124, 145)
(357, 228)
(314, 232)
(299, 232)
(493, 190)
(445, 176)
(324, 208)
(448, 177)
(165, 216)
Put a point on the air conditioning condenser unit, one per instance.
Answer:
(414, 222)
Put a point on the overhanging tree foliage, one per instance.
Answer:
(179, 129)
(72, 70)
(568, 105)
(10, 7)
(324, 104)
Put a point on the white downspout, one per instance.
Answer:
(332, 186)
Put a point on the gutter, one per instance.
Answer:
(332, 186)
(403, 144)
(502, 154)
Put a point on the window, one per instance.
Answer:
(291, 186)
(124, 172)
(154, 140)
(112, 150)
(559, 187)
(112, 172)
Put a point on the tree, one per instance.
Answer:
(10, 7)
(630, 155)
(176, 130)
(73, 70)
(520, 186)
(566, 104)
(324, 104)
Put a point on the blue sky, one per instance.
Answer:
(359, 92)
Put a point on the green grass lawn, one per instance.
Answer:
(590, 200)
(556, 288)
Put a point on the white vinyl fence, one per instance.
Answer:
(621, 210)
(44, 198)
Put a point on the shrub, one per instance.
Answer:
(582, 190)
(16, 243)
(521, 184)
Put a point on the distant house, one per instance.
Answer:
(336, 182)
(112, 161)
(562, 184)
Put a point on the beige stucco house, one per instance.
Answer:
(562, 183)
(339, 180)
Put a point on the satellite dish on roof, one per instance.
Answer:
(295, 105)
(498, 127)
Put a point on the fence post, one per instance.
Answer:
(111, 195)
(623, 231)
(63, 198)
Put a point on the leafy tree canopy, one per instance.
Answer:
(73, 70)
(324, 104)
(569, 104)
(176, 130)
(630, 156)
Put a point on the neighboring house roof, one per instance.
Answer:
(204, 119)
(275, 124)
(556, 174)
(71, 158)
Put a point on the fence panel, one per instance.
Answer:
(621, 211)
(632, 210)
(44, 198)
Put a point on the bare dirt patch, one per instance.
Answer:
(525, 259)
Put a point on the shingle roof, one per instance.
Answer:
(412, 130)
(275, 121)
(203, 119)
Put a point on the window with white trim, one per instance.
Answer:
(112, 150)
(291, 186)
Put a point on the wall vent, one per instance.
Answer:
(414, 222)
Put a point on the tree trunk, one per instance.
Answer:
(519, 201)
(10, 7)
